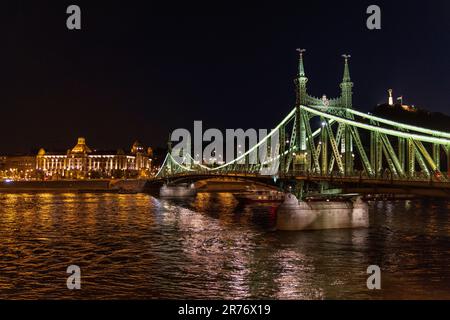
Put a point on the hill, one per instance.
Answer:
(414, 116)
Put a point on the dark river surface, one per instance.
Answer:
(137, 246)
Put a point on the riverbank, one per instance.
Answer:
(98, 185)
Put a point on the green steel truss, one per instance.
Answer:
(317, 137)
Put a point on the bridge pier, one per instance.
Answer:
(299, 189)
(294, 215)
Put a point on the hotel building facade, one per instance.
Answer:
(81, 162)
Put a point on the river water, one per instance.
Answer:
(138, 246)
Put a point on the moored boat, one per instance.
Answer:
(260, 196)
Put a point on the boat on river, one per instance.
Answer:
(261, 195)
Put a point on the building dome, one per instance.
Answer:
(81, 147)
(41, 152)
(137, 147)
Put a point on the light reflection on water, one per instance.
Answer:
(138, 246)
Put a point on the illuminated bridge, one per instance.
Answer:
(326, 142)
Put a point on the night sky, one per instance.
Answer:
(137, 70)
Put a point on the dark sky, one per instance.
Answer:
(138, 70)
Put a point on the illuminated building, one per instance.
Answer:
(81, 162)
(17, 166)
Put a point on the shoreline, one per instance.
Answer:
(62, 186)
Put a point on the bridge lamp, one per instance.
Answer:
(324, 124)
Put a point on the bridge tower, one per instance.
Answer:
(301, 159)
(346, 102)
(300, 81)
(346, 85)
